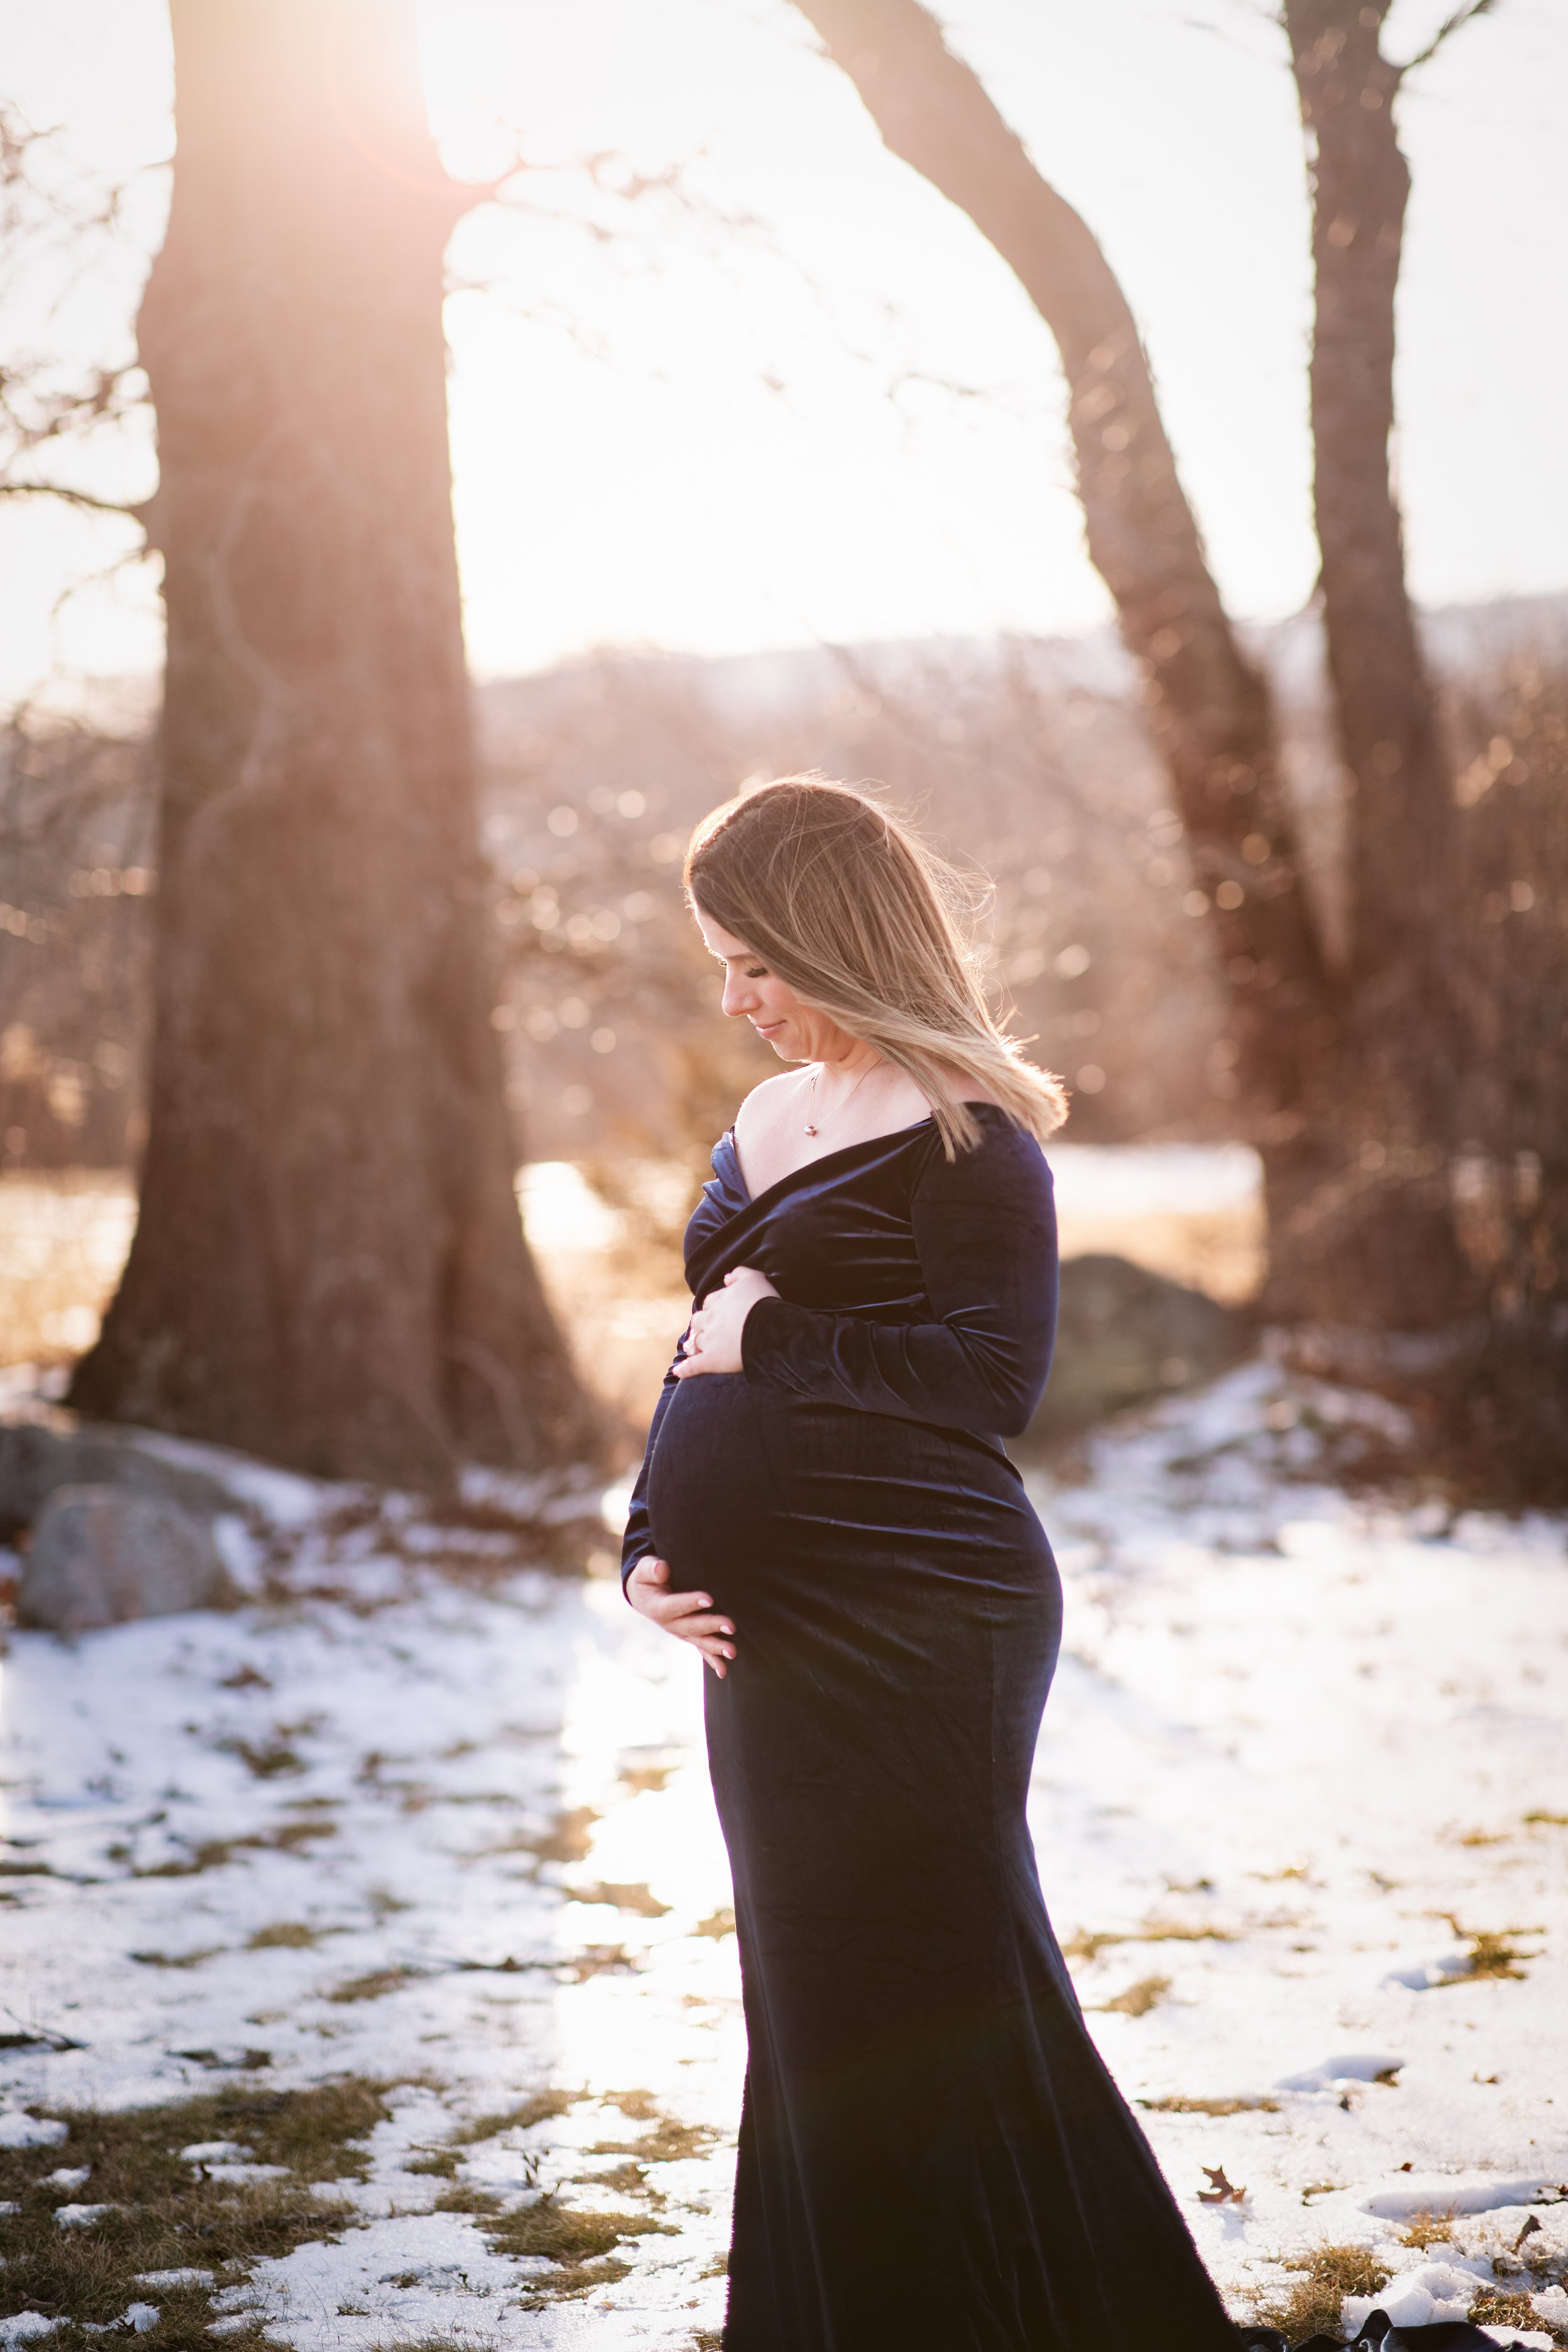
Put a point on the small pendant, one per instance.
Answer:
(809, 1129)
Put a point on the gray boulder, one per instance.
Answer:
(103, 1555)
(46, 1448)
(1125, 1334)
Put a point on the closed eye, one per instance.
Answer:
(761, 973)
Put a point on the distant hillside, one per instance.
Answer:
(1026, 761)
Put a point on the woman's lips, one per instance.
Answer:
(766, 1028)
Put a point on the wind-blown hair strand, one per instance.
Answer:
(859, 916)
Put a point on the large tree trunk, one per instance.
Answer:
(1384, 699)
(329, 1267)
(1458, 1006)
(1398, 1057)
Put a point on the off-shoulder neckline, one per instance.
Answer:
(845, 1150)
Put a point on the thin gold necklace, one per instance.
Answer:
(817, 1073)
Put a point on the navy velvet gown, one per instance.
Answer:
(932, 2155)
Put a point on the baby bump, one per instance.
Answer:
(710, 1494)
(746, 1485)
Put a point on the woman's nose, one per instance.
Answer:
(739, 996)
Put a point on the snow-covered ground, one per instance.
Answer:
(416, 1818)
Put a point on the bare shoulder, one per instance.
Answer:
(769, 1103)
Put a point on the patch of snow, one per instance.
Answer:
(1424, 1974)
(24, 2326)
(19, 2129)
(215, 2151)
(141, 2316)
(1357, 2066)
(174, 2278)
(1458, 2193)
(1291, 1729)
(80, 2217)
(69, 2176)
(1426, 2288)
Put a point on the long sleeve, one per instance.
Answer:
(984, 1229)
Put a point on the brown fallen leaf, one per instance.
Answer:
(1531, 2228)
(1219, 2190)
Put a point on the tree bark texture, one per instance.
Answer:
(329, 1267)
(1376, 1238)
(1384, 699)
(1343, 1072)
(1207, 704)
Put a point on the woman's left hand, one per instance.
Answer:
(713, 1342)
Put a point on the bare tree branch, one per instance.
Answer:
(1453, 24)
(69, 498)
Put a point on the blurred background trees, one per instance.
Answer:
(1303, 886)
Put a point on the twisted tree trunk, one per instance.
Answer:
(329, 1266)
(1207, 704)
(1340, 1070)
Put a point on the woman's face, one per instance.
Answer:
(752, 993)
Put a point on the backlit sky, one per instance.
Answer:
(844, 421)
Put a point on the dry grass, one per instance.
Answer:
(1138, 1999)
(1180, 1931)
(1491, 1954)
(213, 1854)
(285, 1935)
(669, 2141)
(464, 2199)
(1426, 2229)
(1088, 1943)
(539, 2107)
(567, 1839)
(1329, 2274)
(166, 2215)
(1182, 2107)
(1222, 1251)
(641, 1900)
(375, 1985)
(580, 2244)
(63, 1240)
(1491, 2309)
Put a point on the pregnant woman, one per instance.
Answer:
(932, 2157)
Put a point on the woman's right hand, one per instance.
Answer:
(689, 1616)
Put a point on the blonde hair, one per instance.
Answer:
(857, 915)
